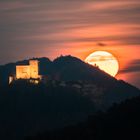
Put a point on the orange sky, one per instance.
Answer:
(49, 28)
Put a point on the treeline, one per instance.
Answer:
(46, 110)
(119, 122)
(26, 109)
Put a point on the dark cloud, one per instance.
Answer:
(133, 66)
(101, 44)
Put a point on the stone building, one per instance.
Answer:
(30, 72)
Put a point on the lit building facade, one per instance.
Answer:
(30, 72)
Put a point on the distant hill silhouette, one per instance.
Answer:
(68, 68)
(65, 68)
(72, 69)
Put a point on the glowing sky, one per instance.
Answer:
(36, 28)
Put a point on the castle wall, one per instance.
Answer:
(30, 71)
(22, 72)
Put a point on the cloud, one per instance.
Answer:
(34, 24)
(133, 66)
(101, 44)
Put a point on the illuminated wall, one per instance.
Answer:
(28, 71)
(22, 72)
(34, 69)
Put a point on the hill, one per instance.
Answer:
(74, 91)
(65, 68)
(70, 68)
(96, 84)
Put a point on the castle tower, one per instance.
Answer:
(34, 69)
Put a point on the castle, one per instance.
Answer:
(29, 72)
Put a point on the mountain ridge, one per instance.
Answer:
(50, 67)
(62, 68)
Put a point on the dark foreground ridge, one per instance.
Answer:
(119, 122)
(27, 109)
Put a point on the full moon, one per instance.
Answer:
(105, 61)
